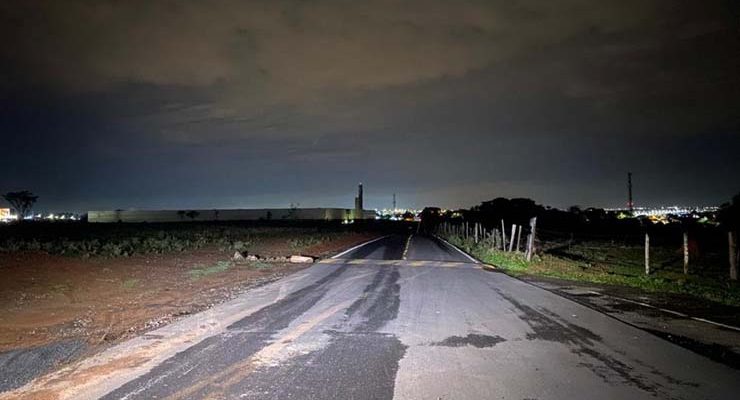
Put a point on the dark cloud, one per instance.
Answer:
(230, 103)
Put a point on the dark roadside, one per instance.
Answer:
(705, 327)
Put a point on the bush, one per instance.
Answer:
(122, 241)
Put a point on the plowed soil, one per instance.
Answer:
(46, 298)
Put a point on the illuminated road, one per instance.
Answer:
(404, 319)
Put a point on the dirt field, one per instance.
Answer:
(96, 301)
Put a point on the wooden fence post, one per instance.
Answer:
(647, 254)
(503, 236)
(732, 241)
(570, 242)
(686, 253)
(511, 238)
(531, 238)
(519, 238)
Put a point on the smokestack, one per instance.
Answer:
(359, 198)
(358, 203)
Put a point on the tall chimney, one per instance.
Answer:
(358, 204)
(359, 198)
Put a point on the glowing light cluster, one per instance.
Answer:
(666, 210)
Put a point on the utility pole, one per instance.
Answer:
(733, 254)
(630, 204)
(394, 202)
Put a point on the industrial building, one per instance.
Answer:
(260, 214)
(5, 214)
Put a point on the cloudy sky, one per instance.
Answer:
(182, 104)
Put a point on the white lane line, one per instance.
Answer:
(358, 246)
(665, 310)
(734, 328)
(639, 303)
(406, 248)
(643, 304)
(461, 252)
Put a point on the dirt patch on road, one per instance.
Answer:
(47, 299)
(473, 339)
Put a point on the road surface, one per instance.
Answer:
(405, 318)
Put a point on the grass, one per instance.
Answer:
(222, 266)
(203, 271)
(311, 239)
(60, 288)
(612, 266)
(129, 283)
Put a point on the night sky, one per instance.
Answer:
(175, 104)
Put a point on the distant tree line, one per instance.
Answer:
(588, 221)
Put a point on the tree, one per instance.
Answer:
(22, 202)
(192, 214)
(430, 219)
(729, 214)
(729, 217)
(512, 211)
(293, 211)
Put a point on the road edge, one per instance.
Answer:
(357, 247)
(676, 340)
(487, 267)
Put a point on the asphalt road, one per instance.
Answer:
(411, 319)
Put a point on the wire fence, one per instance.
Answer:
(672, 250)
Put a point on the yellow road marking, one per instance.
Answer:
(402, 263)
(406, 248)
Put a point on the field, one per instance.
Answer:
(92, 285)
(122, 240)
(620, 261)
